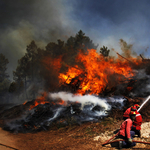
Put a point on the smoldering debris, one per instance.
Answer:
(26, 118)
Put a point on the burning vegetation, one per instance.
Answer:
(99, 74)
(76, 83)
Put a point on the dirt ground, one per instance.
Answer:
(88, 136)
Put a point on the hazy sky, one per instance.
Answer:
(104, 21)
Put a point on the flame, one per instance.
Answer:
(61, 102)
(25, 102)
(93, 74)
(40, 100)
(98, 72)
(72, 73)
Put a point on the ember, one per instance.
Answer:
(39, 100)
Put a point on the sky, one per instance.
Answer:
(104, 21)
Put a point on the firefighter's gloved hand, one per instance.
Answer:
(129, 140)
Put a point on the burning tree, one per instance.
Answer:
(98, 74)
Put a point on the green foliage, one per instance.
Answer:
(104, 51)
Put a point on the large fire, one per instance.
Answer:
(98, 72)
(92, 73)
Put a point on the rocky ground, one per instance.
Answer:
(145, 137)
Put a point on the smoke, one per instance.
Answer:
(108, 21)
(85, 99)
(56, 114)
(141, 86)
(104, 21)
(24, 21)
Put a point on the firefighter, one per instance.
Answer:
(126, 133)
(136, 127)
(137, 106)
(127, 112)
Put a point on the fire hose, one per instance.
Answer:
(110, 139)
(109, 142)
(124, 140)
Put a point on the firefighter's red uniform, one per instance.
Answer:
(127, 112)
(138, 121)
(126, 133)
(136, 127)
(125, 128)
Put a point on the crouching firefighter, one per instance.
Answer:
(126, 133)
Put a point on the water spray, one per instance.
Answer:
(83, 99)
(144, 103)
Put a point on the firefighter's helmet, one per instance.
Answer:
(133, 108)
(137, 106)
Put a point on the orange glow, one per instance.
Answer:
(72, 73)
(61, 102)
(129, 88)
(39, 100)
(24, 102)
(98, 72)
(42, 100)
(50, 63)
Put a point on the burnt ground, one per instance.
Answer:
(70, 137)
